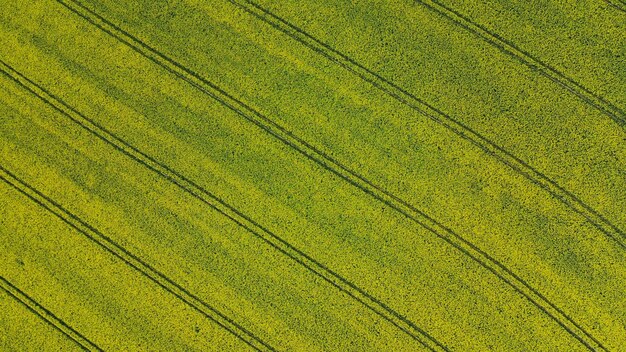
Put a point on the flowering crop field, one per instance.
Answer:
(376, 175)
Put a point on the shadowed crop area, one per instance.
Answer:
(376, 175)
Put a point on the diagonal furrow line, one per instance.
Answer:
(133, 261)
(465, 132)
(535, 64)
(319, 157)
(47, 315)
(616, 4)
(327, 162)
(216, 203)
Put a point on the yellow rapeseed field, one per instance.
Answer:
(382, 175)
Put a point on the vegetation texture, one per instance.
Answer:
(375, 175)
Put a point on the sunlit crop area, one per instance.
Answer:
(392, 175)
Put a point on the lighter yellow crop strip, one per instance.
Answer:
(133, 261)
(231, 213)
(484, 259)
(44, 313)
